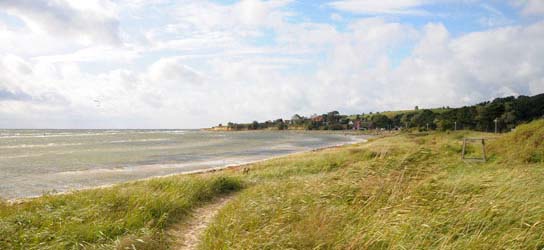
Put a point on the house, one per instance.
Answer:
(318, 118)
(356, 125)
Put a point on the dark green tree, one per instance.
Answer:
(381, 121)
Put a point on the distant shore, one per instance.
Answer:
(299, 129)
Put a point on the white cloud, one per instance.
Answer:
(85, 21)
(403, 7)
(256, 13)
(243, 16)
(95, 54)
(172, 71)
(530, 7)
(441, 70)
(22, 41)
(198, 63)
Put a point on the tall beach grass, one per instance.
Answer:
(410, 191)
(127, 216)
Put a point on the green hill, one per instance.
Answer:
(501, 114)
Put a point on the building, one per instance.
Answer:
(318, 118)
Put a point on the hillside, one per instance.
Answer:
(501, 114)
(410, 191)
(403, 191)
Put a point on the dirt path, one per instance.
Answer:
(187, 235)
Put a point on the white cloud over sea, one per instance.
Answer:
(189, 64)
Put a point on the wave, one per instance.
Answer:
(48, 134)
(40, 145)
(172, 132)
(150, 167)
(140, 140)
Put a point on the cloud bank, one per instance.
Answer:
(190, 64)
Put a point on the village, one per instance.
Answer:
(500, 115)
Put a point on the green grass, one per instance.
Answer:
(524, 145)
(407, 191)
(392, 114)
(123, 217)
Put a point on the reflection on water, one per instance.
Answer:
(37, 161)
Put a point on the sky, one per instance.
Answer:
(198, 63)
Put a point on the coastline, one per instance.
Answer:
(353, 141)
(406, 185)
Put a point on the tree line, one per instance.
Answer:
(501, 113)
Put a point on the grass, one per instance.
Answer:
(128, 216)
(528, 141)
(392, 114)
(407, 191)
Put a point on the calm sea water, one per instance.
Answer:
(36, 161)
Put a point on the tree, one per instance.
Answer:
(381, 121)
(510, 111)
(423, 118)
(311, 125)
(396, 120)
(297, 119)
(406, 119)
(522, 107)
(333, 117)
(466, 117)
(280, 124)
(446, 120)
(487, 114)
(255, 125)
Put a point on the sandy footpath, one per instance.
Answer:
(187, 235)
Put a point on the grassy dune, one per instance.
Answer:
(408, 191)
(124, 216)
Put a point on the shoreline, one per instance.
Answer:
(340, 131)
(192, 172)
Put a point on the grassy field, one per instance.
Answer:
(410, 191)
(407, 191)
(392, 114)
(127, 216)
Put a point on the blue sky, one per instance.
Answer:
(196, 63)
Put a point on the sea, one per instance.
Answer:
(36, 162)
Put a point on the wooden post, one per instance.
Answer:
(464, 145)
(496, 120)
(483, 148)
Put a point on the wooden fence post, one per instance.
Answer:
(483, 148)
(464, 145)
